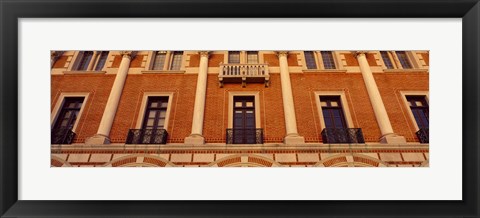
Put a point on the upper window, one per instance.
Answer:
(252, 57)
(84, 60)
(176, 60)
(403, 58)
(233, 57)
(155, 113)
(310, 60)
(328, 60)
(102, 59)
(386, 59)
(89, 60)
(159, 60)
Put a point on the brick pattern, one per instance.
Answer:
(56, 163)
(194, 60)
(259, 161)
(116, 61)
(183, 88)
(292, 60)
(426, 58)
(365, 160)
(229, 161)
(271, 59)
(390, 85)
(154, 161)
(125, 161)
(60, 63)
(335, 161)
(99, 88)
(137, 61)
(214, 60)
(371, 59)
(350, 59)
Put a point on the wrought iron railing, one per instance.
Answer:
(423, 135)
(147, 136)
(343, 135)
(62, 136)
(245, 136)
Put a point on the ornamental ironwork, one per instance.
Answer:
(62, 136)
(423, 135)
(147, 136)
(245, 136)
(343, 136)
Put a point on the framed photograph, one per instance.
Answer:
(225, 108)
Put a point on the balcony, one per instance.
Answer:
(423, 135)
(245, 136)
(244, 73)
(62, 136)
(342, 136)
(147, 136)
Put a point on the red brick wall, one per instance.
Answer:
(292, 60)
(350, 59)
(194, 60)
(60, 63)
(271, 109)
(308, 120)
(214, 60)
(116, 61)
(137, 61)
(99, 88)
(390, 85)
(180, 123)
(271, 59)
(426, 58)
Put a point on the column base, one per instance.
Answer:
(194, 140)
(294, 140)
(393, 139)
(97, 140)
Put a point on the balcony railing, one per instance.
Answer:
(343, 135)
(244, 73)
(147, 136)
(423, 135)
(245, 136)
(62, 136)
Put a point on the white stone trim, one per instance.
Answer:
(345, 108)
(404, 95)
(143, 106)
(256, 95)
(58, 106)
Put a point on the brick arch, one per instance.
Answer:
(240, 160)
(358, 160)
(58, 162)
(131, 161)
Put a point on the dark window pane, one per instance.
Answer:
(234, 57)
(252, 57)
(101, 60)
(310, 60)
(386, 59)
(328, 61)
(159, 61)
(85, 58)
(177, 60)
(403, 58)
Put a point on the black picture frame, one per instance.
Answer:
(11, 11)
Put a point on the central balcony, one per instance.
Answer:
(243, 73)
(245, 136)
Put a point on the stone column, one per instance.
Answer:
(103, 132)
(388, 136)
(292, 136)
(196, 137)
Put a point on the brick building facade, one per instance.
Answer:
(239, 108)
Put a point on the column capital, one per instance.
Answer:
(204, 53)
(357, 53)
(281, 53)
(128, 54)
